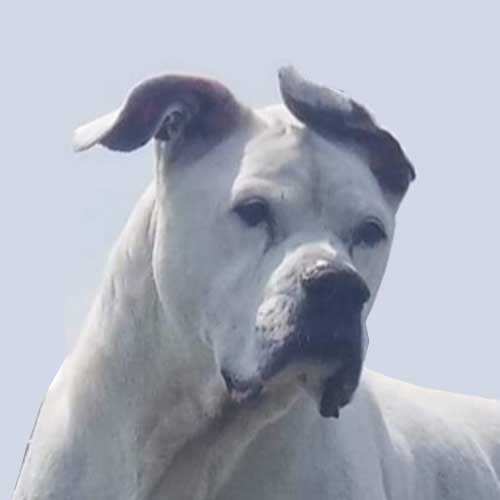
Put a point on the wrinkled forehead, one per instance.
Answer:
(288, 156)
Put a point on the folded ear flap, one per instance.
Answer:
(335, 116)
(164, 107)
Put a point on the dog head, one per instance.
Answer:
(273, 227)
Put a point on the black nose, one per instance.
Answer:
(334, 283)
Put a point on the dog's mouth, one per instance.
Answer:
(242, 391)
(331, 382)
(317, 348)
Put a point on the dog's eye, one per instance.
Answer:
(369, 233)
(253, 212)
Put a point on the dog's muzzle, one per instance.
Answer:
(317, 327)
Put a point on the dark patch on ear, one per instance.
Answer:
(335, 116)
(387, 160)
(206, 108)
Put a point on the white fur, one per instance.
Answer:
(139, 410)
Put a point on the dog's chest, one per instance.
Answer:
(293, 460)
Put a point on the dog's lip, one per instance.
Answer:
(334, 392)
(297, 352)
(333, 364)
(335, 395)
(241, 391)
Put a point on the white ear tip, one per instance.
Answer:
(79, 141)
(90, 134)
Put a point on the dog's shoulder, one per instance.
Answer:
(398, 397)
(441, 432)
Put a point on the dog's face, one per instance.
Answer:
(273, 234)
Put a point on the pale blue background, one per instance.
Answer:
(429, 70)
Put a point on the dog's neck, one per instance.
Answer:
(178, 430)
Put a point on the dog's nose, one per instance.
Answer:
(331, 282)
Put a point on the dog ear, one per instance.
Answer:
(166, 108)
(335, 116)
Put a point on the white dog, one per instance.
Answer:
(232, 319)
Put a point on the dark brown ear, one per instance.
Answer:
(165, 107)
(335, 116)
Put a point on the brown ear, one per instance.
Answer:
(335, 116)
(164, 107)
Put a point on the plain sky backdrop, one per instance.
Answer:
(429, 71)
